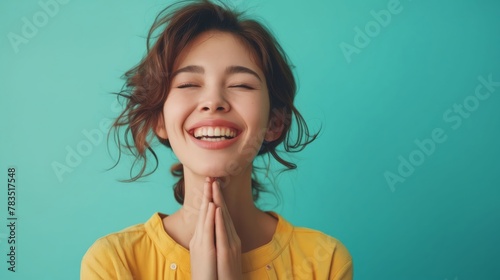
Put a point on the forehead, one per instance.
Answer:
(220, 46)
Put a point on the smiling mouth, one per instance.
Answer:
(214, 133)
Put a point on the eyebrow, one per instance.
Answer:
(235, 69)
(189, 69)
(241, 69)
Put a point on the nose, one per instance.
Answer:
(214, 101)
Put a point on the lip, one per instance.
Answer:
(214, 145)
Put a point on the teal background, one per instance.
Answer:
(442, 222)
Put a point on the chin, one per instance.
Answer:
(208, 170)
(216, 171)
(219, 168)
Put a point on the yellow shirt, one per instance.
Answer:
(146, 251)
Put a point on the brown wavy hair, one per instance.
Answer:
(147, 84)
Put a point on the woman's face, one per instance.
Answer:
(217, 110)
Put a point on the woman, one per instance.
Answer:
(217, 89)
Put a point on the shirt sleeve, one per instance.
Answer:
(342, 266)
(103, 262)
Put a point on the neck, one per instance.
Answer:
(237, 192)
(254, 227)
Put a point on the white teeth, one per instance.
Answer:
(212, 139)
(211, 133)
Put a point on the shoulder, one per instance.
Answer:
(121, 240)
(319, 242)
(317, 249)
(125, 235)
(109, 255)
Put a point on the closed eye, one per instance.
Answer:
(187, 85)
(243, 86)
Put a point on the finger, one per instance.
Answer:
(219, 200)
(208, 194)
(217, 194)
(222, 241)
(204, 205)
(209, 224)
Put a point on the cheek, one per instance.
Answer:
(175, 110)
(250, 110)
(256, 116)
(261, 115)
